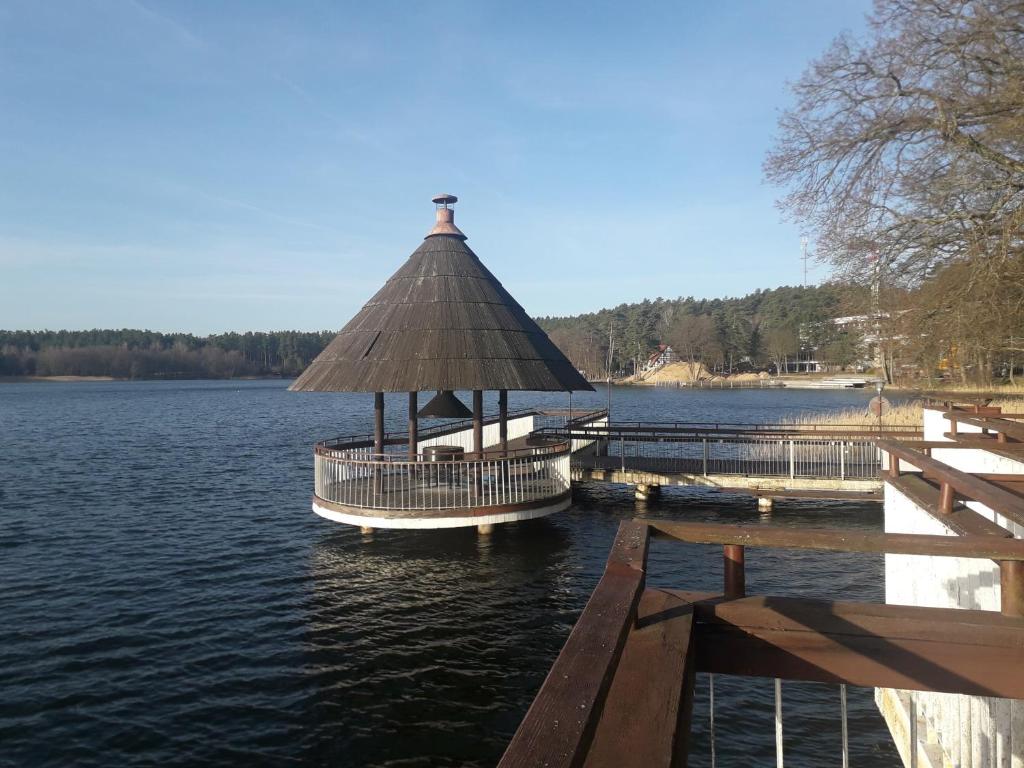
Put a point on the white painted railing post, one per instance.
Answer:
(711, 715)
(913, 730)
(792, 463)
(846, 738)
(842, 476)
(705, 442)
(778, 719)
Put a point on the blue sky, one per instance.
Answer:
(211, 166)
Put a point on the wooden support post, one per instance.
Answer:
(952, 427)
(503, 419)
(378, 439)
(478, 423)
(478, 439)
(414, 427)
(1011, 587)
(378, 423)
(894, 465)
(946, 497)
(735, 571)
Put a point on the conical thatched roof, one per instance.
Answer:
(442, 321)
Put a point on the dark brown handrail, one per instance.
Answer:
(658, 434)
(723, 426)
(1003, 427)
(954, 481)
(838, 540)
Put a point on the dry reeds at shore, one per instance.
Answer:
(907, 414)
(902, 415)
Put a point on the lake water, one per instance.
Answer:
(167, 596)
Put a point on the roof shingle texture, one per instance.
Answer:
(442, 321)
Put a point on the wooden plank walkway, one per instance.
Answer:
(620, 693)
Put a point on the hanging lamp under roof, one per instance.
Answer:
(441, 322)
(445, 405)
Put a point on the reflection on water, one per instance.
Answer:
(426, 638)
(169, 597)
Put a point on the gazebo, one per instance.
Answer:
(441, 323)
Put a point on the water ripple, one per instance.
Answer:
(169, 598)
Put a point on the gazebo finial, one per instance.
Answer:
(445, 216)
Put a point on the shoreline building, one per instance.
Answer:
(442, 323)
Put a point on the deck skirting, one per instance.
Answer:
(441, 518)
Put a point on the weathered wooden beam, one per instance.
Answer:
(978, 653)
(645, 722)
(559, 726)
(835, 540)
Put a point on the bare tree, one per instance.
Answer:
(910, 145)
(693, 338)
(781, 343)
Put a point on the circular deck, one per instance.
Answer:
(440, 487)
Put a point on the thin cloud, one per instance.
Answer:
(181, 31)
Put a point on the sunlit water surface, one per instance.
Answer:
(168, 597)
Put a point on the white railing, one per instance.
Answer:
(841, 459)
(356, 477)
(518, 426)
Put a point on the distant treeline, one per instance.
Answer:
(758, 330)
(134, 354)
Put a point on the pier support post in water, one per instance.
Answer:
(765, 503)
(485, 529)
(644, 491)
(734, 560)
(365, 529)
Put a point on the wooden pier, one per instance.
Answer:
(763, 460)
(620, 692)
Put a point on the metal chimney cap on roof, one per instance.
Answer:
(445, 217)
